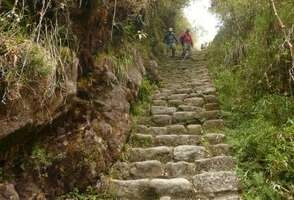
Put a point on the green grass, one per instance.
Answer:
(261, 132)
(140, 107)
(265, 156)
(90, 194)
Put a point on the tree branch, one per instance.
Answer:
(286, 35)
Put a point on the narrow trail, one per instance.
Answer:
(179, 151)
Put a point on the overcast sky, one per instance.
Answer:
(199, 16)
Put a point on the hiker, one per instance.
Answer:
(187, 43)
(171, 40)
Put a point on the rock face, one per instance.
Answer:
(88, 139)
(8, 192)
(29, 104)
(68, 121)
(180, 153)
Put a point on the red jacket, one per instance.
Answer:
(186, 38)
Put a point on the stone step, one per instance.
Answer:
(212, 106)
(194, 101)
(231, 196)
(181, 169)
(216, 182)
(189, 108)
(162, 110)
(183, 91)
(214, 138)
(176, 129)
(165, 154)
(187, 118)
(162, 120)
(161, 153)
(213, 164)
(151, 188)
(210, 99)
(189, 153)
(145, 140)
(180, 97)
(149, 140)
(159, 103)
(211, 115)
(216, 124)
(219, 150)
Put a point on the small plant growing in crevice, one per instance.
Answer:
(40, 160)
(144, 98)
(90, 194)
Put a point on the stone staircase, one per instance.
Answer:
(179, 150)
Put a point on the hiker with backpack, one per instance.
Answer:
(171, 40)
(187, 43)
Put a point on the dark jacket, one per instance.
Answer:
(170, 38)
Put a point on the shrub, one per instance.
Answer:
(265, 154)
(144, 98)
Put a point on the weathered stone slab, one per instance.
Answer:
(159, 103)
(189, 153)
(183, 91)
(213, 124)
(161, 153)
(186, 117)
(210, 99)
(219, 149)
(175, 102)
(212, 106)
(158, 130)
(219, 163)
(213, 114)
(214, 138)
(190, 108)
(162, 120)
(162, 110)
(194, 129)
(177, 97)
(194, 101)
(180, 169)
(146, 169)
(176, 129)
(175, 140)
(177, 187)
(214, 182)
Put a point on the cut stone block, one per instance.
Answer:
(189, 153)
(213, 124)
(180, 169)
(214, 182)
(162, 120)
(161, 153)
(194, 129)
(175, 140)
(194, 101)
(146, 169)
(219, 163)
(162, 110)
(176, 129)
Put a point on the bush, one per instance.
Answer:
(89, 194)
(23, 64)
(266, 159)
(250, 69)
(144, 98)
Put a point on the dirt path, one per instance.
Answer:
(179, 151)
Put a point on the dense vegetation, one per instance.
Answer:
(250, 61)
(64, 53)
(249, 58)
